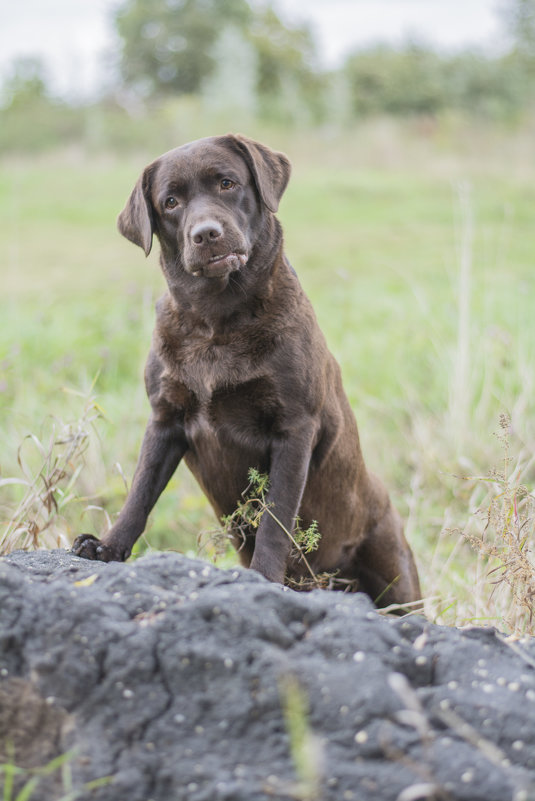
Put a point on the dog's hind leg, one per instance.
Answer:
(385, 565)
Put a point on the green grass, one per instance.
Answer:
(376, 244)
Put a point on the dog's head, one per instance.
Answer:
(205, 202)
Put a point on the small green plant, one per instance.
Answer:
(32, 777)
(248, 515)
(251, 509)
(309, 539)
(305, 747)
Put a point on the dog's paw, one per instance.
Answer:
(89, 547)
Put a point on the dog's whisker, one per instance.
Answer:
(235, 283)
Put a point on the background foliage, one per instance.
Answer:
(241, 58)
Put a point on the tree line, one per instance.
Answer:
(239, 55)
(181, 46)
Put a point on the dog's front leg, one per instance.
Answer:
(163, 447)
(290, 459)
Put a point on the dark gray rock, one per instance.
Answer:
(182, 681)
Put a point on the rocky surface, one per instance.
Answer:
(176, 680)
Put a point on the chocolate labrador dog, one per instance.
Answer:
(239, 376)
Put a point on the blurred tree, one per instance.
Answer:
(519, 18)
(167, 43)
(480, 85)
(290, 85)
(176, 47)
(419, 81)
(338, 100)
(387, 80)
(31, 118)
(282, 51)
(232, 84)
(27, 83)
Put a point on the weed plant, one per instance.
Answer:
(245, 520)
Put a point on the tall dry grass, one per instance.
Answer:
(50, 465)
(481, 567)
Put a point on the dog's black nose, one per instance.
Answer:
(205, 232)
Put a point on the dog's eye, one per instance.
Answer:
(226, 183)
(171, 202)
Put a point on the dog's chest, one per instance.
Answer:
(221, 387)
(221, 393)
(206, 369)
(205, 361)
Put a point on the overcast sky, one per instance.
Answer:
(72, 35)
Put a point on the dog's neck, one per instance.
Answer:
(219, 303)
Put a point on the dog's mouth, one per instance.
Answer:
(218, 266)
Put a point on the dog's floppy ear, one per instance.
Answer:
(270, 169)
(136, 221)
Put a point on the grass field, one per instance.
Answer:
(418, 255)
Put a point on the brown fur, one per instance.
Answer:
(239, 376)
